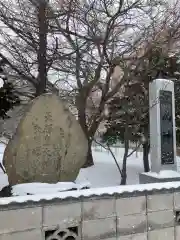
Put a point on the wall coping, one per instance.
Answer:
(106, 192)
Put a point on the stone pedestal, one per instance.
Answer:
(163, 176)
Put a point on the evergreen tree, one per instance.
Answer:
(8, 97)
(132, 109)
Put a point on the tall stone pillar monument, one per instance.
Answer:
(162, 133)
(162, 125)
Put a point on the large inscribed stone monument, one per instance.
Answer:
(48, 146)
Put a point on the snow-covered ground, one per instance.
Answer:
(103, 174)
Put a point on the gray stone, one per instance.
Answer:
(155, 125)
(177, 200)
(99, 229)
(113, 238)
(177, 232)
(48, 146)
(97, 209)
(131, 224)
(162, 126)
(160, 202)
(64, 215)
(161, 219)
(139, 236)
(20, 219)
(162, 234)
(27, 235)
(129, 206)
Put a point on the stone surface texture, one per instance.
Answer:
(21, 220)
(152, 216)
(134, 205)
(160, 202)
(63, 215)
(99, 229)
(27, 235)
(98, 209)
(140, 236)
(155, 125)
(48, 146)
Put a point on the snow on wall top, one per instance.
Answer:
(130, 190)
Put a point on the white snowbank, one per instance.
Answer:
(45, 188)
(91, 192)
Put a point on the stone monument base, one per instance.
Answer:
(162, 176)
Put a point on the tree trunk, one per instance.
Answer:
(89, 160)
(80, 103)
(146, 148)
(124, 166)
(42, 51)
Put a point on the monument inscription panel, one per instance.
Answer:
(166, 127)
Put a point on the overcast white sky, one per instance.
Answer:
(138, 17)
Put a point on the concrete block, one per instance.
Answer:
(162, 234)
(113, 238)
(131, 224)
(177, 232)
(28, 235)
(20, 219)
(65, 215)
(97, 209)
(160, 219)
(177, 200)
(99, 229)
(139, 236)
(160, 202)
(129, 206)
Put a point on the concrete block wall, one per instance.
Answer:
(146, 215)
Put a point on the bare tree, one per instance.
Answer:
(157, 57)
(42, 51)
(86, 42)
(101, 37)
(26, 45)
